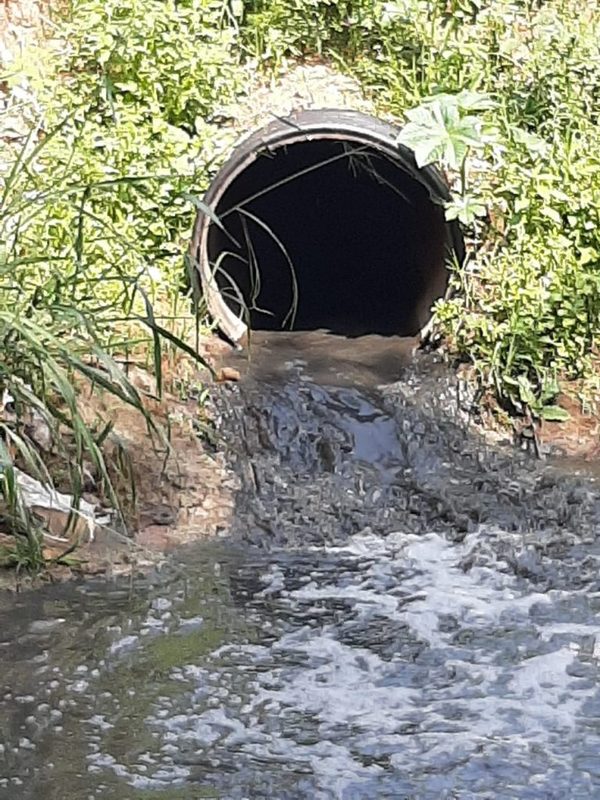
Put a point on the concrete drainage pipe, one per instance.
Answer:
(322, 220)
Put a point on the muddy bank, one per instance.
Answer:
(173, 482)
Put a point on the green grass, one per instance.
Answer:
(96, 209)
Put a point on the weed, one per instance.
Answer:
(95, 216)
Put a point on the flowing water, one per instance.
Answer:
(399, 610)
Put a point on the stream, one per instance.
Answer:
(400, 609)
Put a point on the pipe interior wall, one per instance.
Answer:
(329, 234)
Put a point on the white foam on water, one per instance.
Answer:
(477, 597)
(315, 700)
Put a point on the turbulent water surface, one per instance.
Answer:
(399, 611)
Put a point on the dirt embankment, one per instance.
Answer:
(182, 487)
(172, 481)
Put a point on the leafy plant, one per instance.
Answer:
(539, 404)
(95, 218)
(444, 130)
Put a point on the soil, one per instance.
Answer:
(183, 490)
(578, 438)
(574, 442)
(297, 87)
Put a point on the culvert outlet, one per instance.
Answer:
(322, 220)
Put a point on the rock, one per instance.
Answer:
(140, 378)
(56, 523)
(156, 538)
(108, 552)
(158, 515)
(38, 430)
(226, 374)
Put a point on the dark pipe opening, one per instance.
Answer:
(329, 234)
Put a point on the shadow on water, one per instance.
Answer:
(399, 611)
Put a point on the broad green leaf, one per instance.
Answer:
(436, 131)
(526, 394)
(554, 414)
(552, 214)
(466, 209)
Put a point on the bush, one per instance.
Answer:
(96, 208)
(128, 101)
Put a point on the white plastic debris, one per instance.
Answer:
(36, 495)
